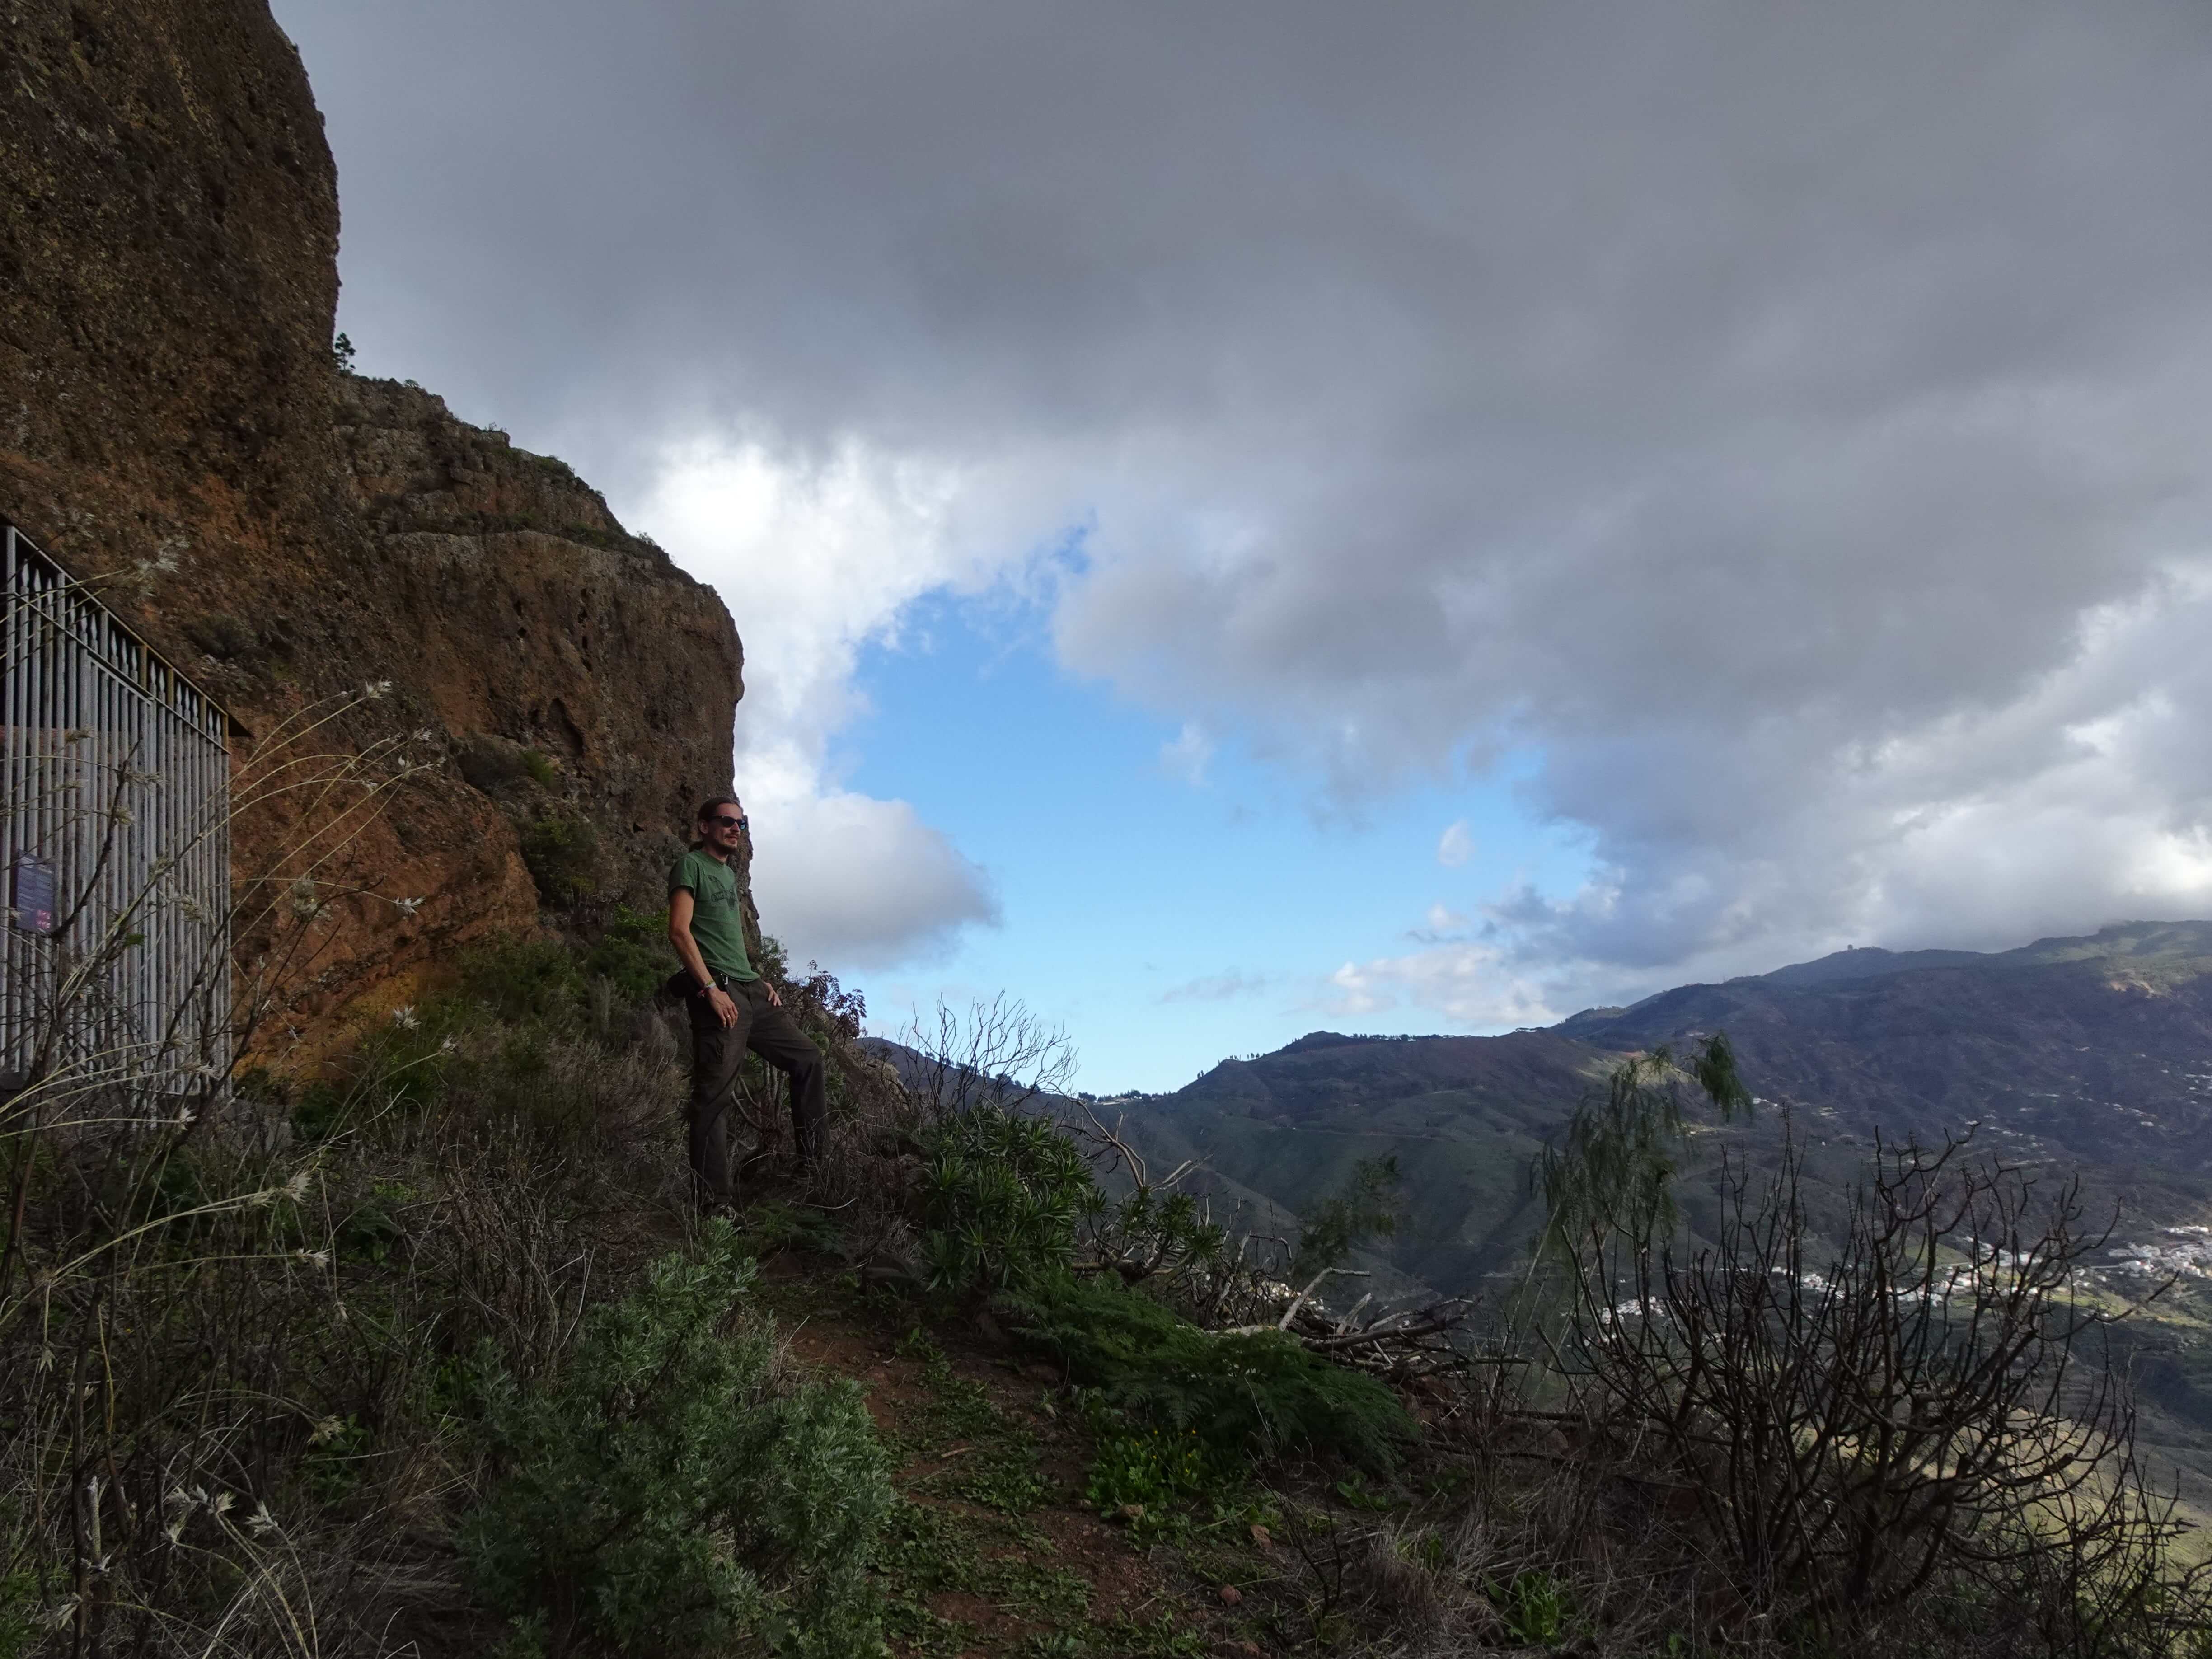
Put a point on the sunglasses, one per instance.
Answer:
(725, 821)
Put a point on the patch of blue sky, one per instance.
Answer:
(1166, 923)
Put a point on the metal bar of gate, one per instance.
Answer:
(114, 790)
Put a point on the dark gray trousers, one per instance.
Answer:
(717, 1051)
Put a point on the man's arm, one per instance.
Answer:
(681, 904)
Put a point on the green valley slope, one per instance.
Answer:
(2089, 1057)
(2090, 1054)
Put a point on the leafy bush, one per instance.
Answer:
(562, 854)
(519, 979)
(1534, 1606)
(631, 955)
(531, 1032)
(1257, 1395)
(1145, 1468)
(668, 1492)
(1150, 1234)
(1001, 1197)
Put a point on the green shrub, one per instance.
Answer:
(631, 954)
(665, 1495)
(533, 1033)
(371, 1231)
(320, 1111)
(562, 854)
(1255, 1396)
(1145, 1468)
(20, 1624)
(1534, 1606)
(1001, 1197)
(518, 979)
(543, 770)
(403, 1062)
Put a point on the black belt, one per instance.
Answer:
(681, 987)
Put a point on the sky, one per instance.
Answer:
(1259, 517)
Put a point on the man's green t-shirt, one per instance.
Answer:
(718, 926)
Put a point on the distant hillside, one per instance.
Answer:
(2093, 1051)
(2087, 1056)
(2100, 1049)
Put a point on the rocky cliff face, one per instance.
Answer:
(583, 683)
(172, 421)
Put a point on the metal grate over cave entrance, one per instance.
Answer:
(115, 809)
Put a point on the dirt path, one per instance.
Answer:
(992, 1550)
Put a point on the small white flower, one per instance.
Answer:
(317, 1259)
(407, 907)
(296, 1188)
(222, 1502)
(185, 1119)
(447, 1046)
(404, 1017)
(261, 1521)
(376, 689)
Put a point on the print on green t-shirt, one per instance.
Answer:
(718, 926)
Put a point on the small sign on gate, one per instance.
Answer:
(31, 894)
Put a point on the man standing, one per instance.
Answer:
(732, 1007)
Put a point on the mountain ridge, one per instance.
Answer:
(2092, 1053)
(2086, 1057)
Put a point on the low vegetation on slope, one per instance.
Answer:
(427, 1352)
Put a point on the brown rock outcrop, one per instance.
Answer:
(171, 414)
(582, 679)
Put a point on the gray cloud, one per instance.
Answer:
(1787, 423)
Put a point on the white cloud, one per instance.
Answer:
(1455, 845)
(1186, 754)
(1215, 987)
(1470, 985)
(854, 881)
(1442, 926)
(816, 557)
